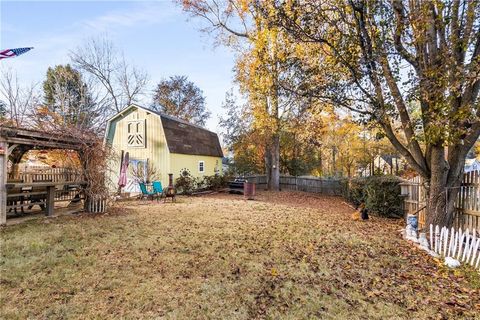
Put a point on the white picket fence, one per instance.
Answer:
(97, 205)
(463, 246)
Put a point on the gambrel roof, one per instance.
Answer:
(183, 137)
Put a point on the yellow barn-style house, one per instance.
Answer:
(167, 143)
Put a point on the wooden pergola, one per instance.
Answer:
(14, 143)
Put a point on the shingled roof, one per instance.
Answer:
(183, 137)
(186, 138)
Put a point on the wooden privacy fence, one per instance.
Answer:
(49, 174)
(467, 206)
(307, 184)
(58, 176)
(414, 198)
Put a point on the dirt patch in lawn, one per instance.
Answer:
(284, 255)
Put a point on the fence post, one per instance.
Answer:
(3, 181)
(50, 200)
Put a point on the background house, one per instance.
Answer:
(385, 164)
(226, 163)
(168, 144)
(472, 165)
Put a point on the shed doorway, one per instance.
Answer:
(135, 165)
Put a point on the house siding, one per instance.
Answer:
(155, 150)
(190, 162)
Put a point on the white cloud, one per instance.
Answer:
(52, 48)
(150, 13)
(191, 55)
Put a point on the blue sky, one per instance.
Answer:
(156, 36)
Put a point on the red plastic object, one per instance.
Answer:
(249, 190)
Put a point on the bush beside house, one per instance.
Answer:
(187, 184)
(381, 195)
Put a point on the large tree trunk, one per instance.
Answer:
(442, 189)
(320, 162)
(334, 164)
(275, 171)
(275, 142)
(441, 198)
(268, 166)
(272, 163)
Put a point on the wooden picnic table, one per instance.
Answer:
(42, 192)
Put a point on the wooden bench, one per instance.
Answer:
(26, 197)
(35, 193)
(14, 196)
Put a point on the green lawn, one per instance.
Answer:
(285, 255)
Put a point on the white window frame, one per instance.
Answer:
(201, 162)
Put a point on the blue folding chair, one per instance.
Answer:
(158, 189)
(145, 193)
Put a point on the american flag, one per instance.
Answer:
(10, 53)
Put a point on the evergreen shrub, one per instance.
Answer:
(381, 195)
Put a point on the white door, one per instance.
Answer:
(138, 166)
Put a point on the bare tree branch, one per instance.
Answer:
(123, 84)
(20, 101)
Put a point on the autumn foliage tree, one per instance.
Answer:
(181, 98)
(245, 142)
(319, 142)
(395, 54)
(411, 68)
(325, 143)
(266, 62)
